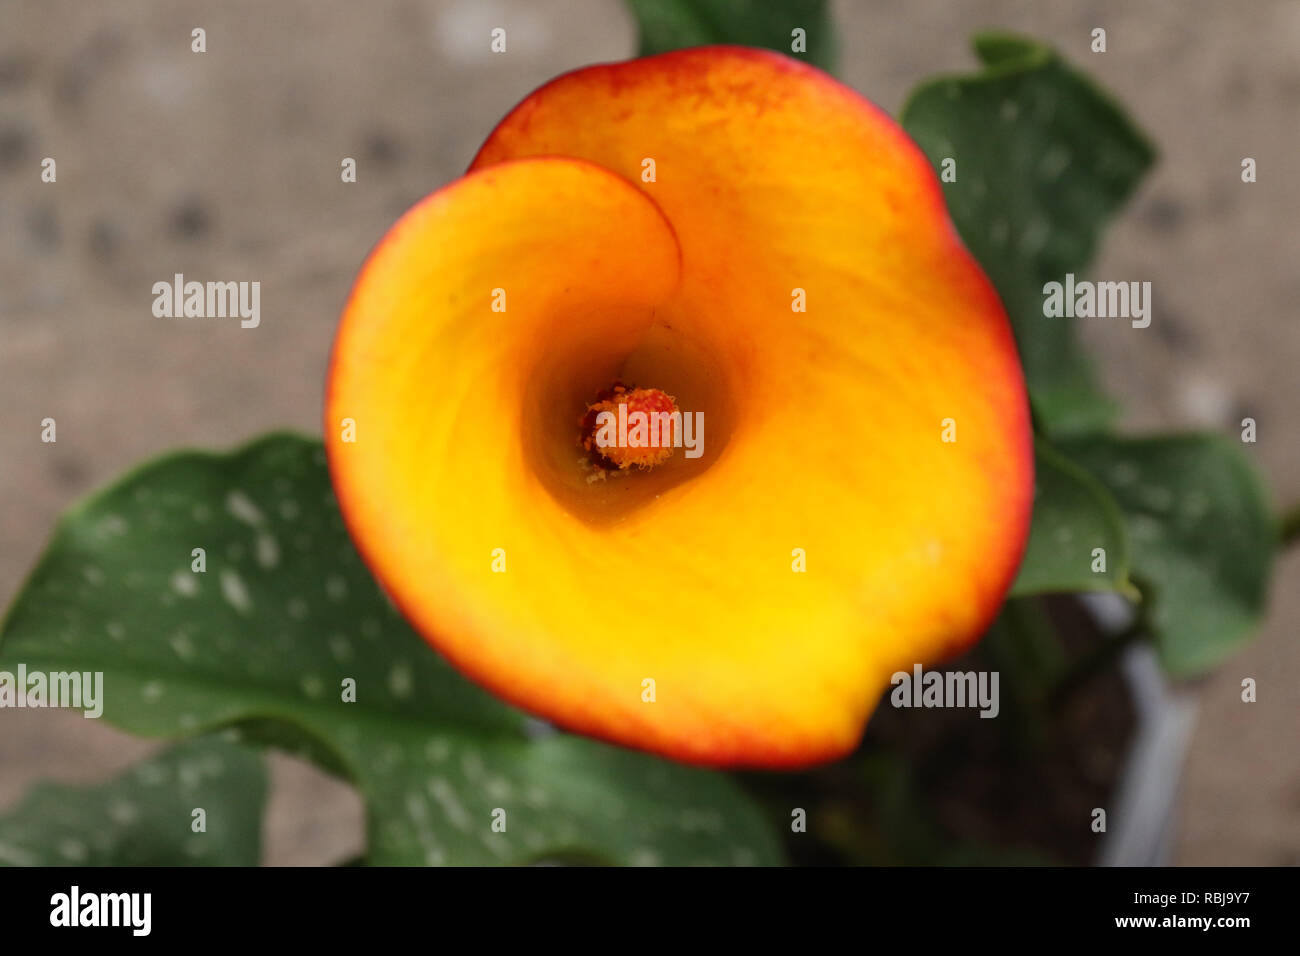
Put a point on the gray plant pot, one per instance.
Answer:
(1143, 809)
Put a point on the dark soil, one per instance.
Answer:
(943, 786)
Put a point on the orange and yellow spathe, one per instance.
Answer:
(494, 311)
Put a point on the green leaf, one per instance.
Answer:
(1043, 160)
(145, 816)
(282, 615)
(1073, 514)
(673, 24)
(1202, 535)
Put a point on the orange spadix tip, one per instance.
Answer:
(628, 427)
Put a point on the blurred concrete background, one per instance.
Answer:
(226, 165)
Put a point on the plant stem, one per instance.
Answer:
(1291, 526)
(1104, 655)
(1099, 659)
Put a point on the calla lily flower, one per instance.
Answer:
(740, 232)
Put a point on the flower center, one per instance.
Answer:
(631, 427)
